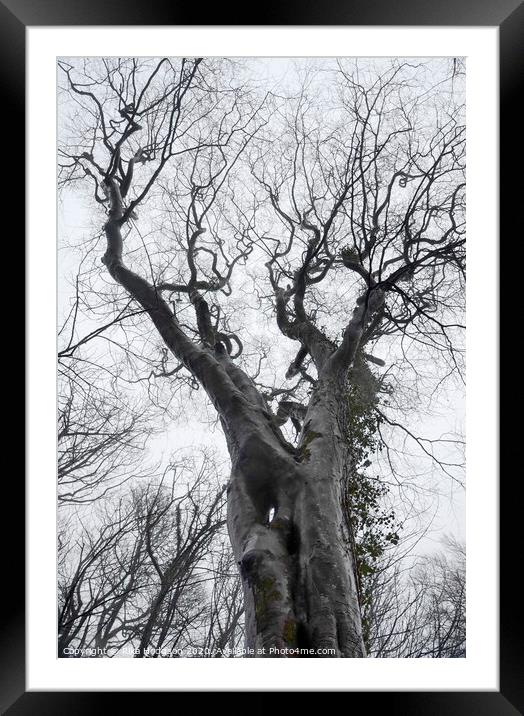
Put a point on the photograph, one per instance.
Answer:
(261, 334)
(263, 404)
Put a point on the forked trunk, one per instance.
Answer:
(291, 542)
(284, 504)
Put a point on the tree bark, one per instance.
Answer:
(297, 568)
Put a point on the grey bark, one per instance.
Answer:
(297, 569)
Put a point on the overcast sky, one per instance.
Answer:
(440, 498)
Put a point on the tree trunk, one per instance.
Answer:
(284, 504)
(297, 567)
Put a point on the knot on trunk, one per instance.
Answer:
(251, 561)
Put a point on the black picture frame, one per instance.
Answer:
(508, 16)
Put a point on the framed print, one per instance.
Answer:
(235, 203)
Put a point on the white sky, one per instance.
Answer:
(442, 503)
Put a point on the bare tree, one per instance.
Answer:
(225, 631)
(101, 436)
(420, 611)
(135, 576)
(356, 215)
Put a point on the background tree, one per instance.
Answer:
(101, 436)
(337, 211)
(420, 612)
(135, 576)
